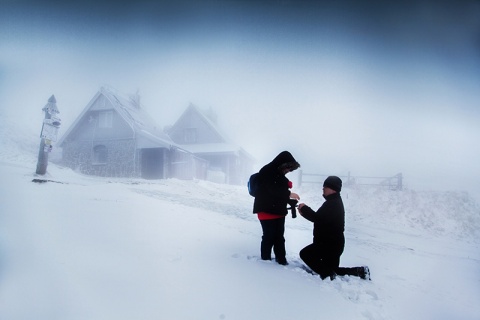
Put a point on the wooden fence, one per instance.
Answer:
(393, 183)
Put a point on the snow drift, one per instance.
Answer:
(98, 248)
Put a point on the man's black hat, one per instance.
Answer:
(334, 183)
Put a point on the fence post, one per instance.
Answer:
(399, 181)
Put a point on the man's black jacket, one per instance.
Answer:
(328, 223)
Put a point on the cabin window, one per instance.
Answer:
(190, 135)
(100, 154)
(105, 119)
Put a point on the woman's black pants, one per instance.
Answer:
(273, 231)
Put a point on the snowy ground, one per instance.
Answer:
(96, 248)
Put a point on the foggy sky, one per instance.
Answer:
(370, 87)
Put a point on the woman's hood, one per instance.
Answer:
(285, 160)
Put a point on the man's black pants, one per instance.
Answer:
(320, 260)
(325, 262)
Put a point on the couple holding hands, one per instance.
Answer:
(270, 205)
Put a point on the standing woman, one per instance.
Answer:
(271, 204)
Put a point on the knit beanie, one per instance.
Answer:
(334, 183)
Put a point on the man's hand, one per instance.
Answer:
(300, 206)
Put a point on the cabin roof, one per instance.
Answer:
(131, 111)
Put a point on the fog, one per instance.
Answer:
(363, 87)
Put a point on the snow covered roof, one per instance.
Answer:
(226, 146)
(132, 113)
(130, 110)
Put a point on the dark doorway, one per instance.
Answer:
(152, 163)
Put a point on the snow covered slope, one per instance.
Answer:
(97, 248)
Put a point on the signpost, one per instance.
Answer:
(49, 132)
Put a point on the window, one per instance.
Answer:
(100, 154)
(105, 119)
(190, 135)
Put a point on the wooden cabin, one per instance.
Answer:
(114, 137)
(197, 132)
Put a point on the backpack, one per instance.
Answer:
(253, 184)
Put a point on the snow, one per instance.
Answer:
(81, 247)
